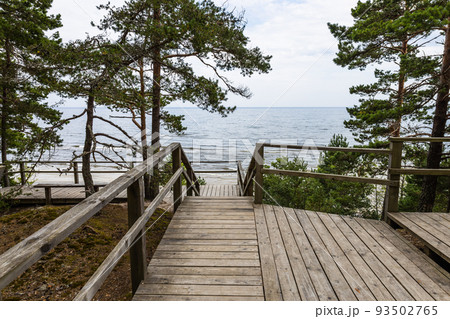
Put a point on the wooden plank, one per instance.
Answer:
(212, 217)
(370, 278)
(432, 242)
(171, 230)
(285, 276)
(299, 269)
(219, 199)
(351, 275)
(212, 226)
(272, 290)
(408, 282)
(205, 262)
(207, 271)
(207, 290)
(205, 255)
(20, 257)
(213, 222)
(195, 298)
(331, 149)
(321, 283)
(421, 171)
(438, 218)
(394, 287)
(220, 242)
(218, 212)
(334, 177)
(333, 271)
(204, 280)
(100, 275)
(424, 262)
(206, 248)
(431, 226)
(138, 254)
(415, 272)
(210, 236)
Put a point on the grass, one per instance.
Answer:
(60, 274)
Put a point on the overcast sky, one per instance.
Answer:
(294, 32)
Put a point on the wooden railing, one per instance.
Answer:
(23, 255)
(254, 178)
(23, 168)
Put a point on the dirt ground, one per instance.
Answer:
(62, 273)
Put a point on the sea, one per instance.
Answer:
(213, 142)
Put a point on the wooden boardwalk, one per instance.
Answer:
(230, 249)
(60, 195)
(433, 229)
(68, 196)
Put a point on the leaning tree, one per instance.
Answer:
(182, 34)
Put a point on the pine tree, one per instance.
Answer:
(26, 78)
(180, 31)
(384, 32)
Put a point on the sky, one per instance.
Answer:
(294, 32)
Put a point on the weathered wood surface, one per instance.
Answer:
(225, 190)
(20, 257)
(330, 149)
(433, 229)
(204, 255)
(333, 177)
(285, 254)
(320, 256)
(127, 242)
(75, 194)
(60, 195)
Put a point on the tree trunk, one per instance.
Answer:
(143, 113)
(396, 125)
(428, 195)
(156, 105)
(5, 111)
(3, 133)
(87, 151)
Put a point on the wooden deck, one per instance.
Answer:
(68, 196)
(230, 249)
(433, 229)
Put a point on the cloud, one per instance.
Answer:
(295, 33)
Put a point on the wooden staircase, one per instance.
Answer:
(209, 252)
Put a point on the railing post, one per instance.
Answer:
(177, 187)
(392, 192)
(190, 186)
(76, 176)
(22, 173)
(138, 258)
(259, 164)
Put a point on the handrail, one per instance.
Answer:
(95, 282)
(334, 177)
(191, 173)
(421, 139)
(256, 169)
(22, 256)
(331, 149)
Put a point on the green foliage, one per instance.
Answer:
(391, 33)
(186, 30)
(412, 185)
(322, 195)
(29, 124)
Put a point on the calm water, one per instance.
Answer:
(209, 137)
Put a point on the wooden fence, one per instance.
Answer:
(23, 255)
(254, 178)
